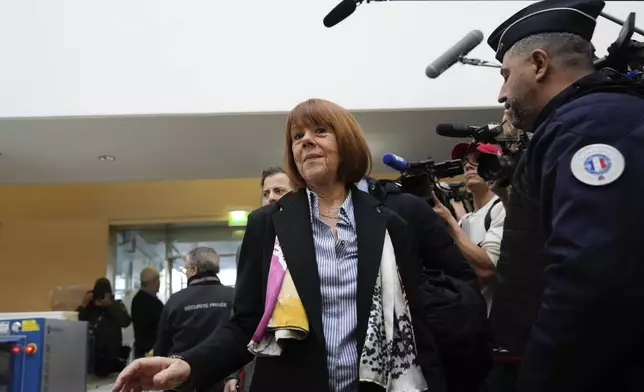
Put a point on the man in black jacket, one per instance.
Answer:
(275, 184)
(197, 311)
(436, 246)
(146, 312)
(451, 292)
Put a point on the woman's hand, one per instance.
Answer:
(152, 374)
(87, 298)
(443, 211)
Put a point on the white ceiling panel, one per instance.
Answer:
(60, 150)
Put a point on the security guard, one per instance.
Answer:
(582, 172)
(194, 313)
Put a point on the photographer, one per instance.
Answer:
(478, 234)
(105, 317)
(579, 177)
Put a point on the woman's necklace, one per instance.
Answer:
(329, 212)
(329, 216)
(332, 211)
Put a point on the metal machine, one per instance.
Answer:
(39, 354)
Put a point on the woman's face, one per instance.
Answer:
(315, 151)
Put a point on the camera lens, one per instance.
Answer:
(490, 167)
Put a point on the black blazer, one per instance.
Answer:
(302, 365)
(146, 312)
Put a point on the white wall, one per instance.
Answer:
(80, 57)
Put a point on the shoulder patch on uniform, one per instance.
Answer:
(597, 164)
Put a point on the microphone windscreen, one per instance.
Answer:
(449, 58)
(395, 162)
(454, 130)
(339, 13)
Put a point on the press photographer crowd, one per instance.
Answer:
(523, 273)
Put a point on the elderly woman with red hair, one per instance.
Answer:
(328, 288)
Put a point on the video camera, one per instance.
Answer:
(492, 167)
(625, 55)
(421, 178)
(456, 191)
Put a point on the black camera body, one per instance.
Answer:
(500, 168)
(422, 178)
(494, 168)
(456, 191)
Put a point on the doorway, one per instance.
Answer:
(165, 247)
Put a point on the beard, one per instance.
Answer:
(522, 116)
(523, 113)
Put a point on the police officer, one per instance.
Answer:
(197, 311)
(582, 172)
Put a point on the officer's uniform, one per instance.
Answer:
(583, 170)
(192, 314)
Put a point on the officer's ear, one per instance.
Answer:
(540, 63)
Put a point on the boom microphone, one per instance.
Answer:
(340, 13)
(395, 162)
(485, 134)
(455, 130)
(455, 53)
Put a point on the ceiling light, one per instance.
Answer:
(106, 158)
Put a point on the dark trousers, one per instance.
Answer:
(503, 377)
(107, 362)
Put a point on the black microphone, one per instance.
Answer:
(449, 58)
(486, 133)
(340, 13)
(455, 130)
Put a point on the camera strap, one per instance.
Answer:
(488, 215)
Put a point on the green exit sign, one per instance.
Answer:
(237, 218)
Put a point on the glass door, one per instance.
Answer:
(165, 248)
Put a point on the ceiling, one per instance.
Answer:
(60, 150)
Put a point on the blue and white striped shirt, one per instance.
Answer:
(338, 269)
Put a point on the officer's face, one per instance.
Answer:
(519, 90)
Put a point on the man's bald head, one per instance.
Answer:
(150, 279)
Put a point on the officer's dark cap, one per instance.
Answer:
(577, 17)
